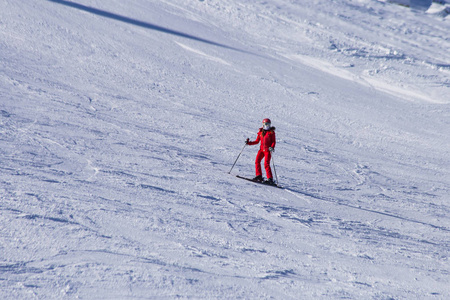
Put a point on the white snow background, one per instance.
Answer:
(120, 120)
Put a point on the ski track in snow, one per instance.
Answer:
(119, 123)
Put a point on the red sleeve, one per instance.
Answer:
(274, 140)
(255, 142)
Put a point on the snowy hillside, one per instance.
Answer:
(120, 120)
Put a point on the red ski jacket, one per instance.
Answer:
(266, 137)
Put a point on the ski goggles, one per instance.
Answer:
(266, 123)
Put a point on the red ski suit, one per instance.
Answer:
(267, 139)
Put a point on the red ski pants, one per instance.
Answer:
(267, 155)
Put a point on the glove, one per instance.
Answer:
(246, 141)
(271, 149)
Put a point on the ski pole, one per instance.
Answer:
(237, 158)
(274, 170)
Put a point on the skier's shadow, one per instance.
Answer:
(337, 202)
(141, 23)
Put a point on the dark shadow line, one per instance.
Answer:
(141, 24)
(369, 210)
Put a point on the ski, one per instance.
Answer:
(260, 182)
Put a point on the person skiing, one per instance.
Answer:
(266, 135)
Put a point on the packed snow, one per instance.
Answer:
(120, 122)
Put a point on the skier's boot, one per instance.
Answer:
(258, 178)
(270, 181)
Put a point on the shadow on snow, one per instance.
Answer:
(124, 19)
(367, 209)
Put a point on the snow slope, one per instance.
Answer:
(120, 120)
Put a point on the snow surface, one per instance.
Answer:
(120, 120)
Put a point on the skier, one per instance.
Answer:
(266, 136)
